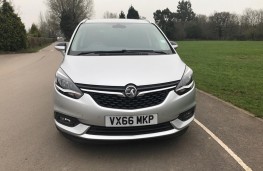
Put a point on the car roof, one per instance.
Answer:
(115, 21)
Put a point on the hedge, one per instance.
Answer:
(33, 42)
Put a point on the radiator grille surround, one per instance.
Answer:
(114, 96)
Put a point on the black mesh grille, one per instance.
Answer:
(137, 130)
(118, 102)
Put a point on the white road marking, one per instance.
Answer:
(225, 147)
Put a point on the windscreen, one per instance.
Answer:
(92, 37)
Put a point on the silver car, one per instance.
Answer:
(122, 80)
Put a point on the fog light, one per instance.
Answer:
(66, 120)
(187, 115)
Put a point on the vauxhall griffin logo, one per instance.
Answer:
(131, 91)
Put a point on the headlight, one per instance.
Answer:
(186, 82)
(66, 86)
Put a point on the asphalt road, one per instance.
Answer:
(30, 141)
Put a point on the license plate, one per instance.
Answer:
(125, 121)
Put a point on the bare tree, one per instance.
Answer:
(1, 2)
(223, 24)
(250, 17)
(47, 27)
(260, 15)
(108, 14)
(80, 8)
(68, 13)
(252, 24)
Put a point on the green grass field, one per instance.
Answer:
(230, 70)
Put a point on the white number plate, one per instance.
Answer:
(125, 121)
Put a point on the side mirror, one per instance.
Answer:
(174, 44)
(62, 47)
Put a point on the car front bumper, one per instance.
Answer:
(81, 129)
(89, 113)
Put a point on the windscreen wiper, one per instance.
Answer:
(148, 51)
(120, 52)
(97, 52)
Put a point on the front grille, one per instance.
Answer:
(138, 130)
(113, 100)
(118, 102)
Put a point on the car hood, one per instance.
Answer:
(122, 70)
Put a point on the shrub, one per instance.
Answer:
(12, 30)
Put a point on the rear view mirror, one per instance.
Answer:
(62, 47)
(174, 44)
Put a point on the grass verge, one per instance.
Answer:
(230, 70)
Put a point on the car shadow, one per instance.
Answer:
(155, 146)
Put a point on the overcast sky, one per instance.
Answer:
(29, 10)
